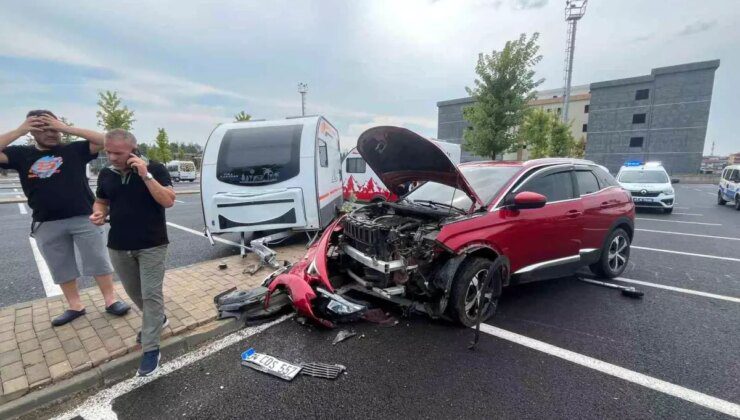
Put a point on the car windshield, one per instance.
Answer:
(485, 180)
(643, 177)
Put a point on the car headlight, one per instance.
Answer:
(669, 191)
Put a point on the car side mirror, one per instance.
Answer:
(528, 200)
(675, 180)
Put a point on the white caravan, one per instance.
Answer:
(364, 185)
(271, 175)
(181, 170)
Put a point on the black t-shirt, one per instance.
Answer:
(54, 180)
(137, 221)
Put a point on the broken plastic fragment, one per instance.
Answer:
(322, 370)
(343, 335)
(339, 305)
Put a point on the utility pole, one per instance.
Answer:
(574, 11)
(303, 89)
(712, 154)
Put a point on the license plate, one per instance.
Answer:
(272, 365)
(643, 200)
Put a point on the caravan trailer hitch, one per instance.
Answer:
(267, 256)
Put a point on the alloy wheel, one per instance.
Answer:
(618, 253)
(473, 294)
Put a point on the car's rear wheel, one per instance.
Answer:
(737, 202)
(471, 291)
(614, 255)
(720, 200)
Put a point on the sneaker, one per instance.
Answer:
(164, 325)
(149, 363)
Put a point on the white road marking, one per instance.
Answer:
(100, 405)
(195, 232)
(688, 214)
(686, 253)
(680, 208)
(677, 221)
(50, 288)
(708, 401)
(22, 208)
(178, 201)
(680, 290)
(689, 234)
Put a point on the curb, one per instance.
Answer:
(114, 371)
(23, 200)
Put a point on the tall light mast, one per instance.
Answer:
(303, 89)
(574, 11)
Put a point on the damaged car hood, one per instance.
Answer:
(398, 155)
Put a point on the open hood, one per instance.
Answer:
(398, 155)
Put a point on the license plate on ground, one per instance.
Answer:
(273, 366)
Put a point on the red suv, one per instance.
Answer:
(492, 223)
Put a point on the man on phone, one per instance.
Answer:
(135, 196)
(54, 180)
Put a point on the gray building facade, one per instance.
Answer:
(451, 124)
(658, 117)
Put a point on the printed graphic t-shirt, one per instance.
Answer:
(54, 180)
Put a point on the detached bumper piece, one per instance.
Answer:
(249, 305)
(322, 370)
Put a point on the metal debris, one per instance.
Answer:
(322, 370)
(628, 291)
(223, 265)
(343, 335)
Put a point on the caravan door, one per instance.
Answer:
(328, 172)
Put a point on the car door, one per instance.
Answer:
(545, 242)
(598, 206)
(733, 184)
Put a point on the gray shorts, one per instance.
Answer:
(57, 241)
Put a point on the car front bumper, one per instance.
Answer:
(662, 201)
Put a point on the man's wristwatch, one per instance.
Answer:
(148, 176)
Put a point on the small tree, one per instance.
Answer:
(161, 147)
(144, 149)
(67, 138)
(242, 116)
(579, 150)
(545, 135)
(111, 114)
(504, 85)
(562, 143)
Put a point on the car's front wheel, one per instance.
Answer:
(720, 200)
(668, 210)
(614, 255)
(472, 291)
(737, 202)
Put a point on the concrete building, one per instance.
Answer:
(658, 117)
(450, 122)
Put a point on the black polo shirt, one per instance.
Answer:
(137, 221)
(54, 180)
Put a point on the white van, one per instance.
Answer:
(181, 170)
(649, 185)
(362, 184)
(729, 186)
(271, 175)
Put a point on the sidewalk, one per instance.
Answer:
(34, 355)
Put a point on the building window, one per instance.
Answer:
(560, 110)
(585, 128)
(585, 109)
(636, 141)
(642, 94)
(638, 118)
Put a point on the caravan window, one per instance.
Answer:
(356, 166)
(323, 154)
(259, 155)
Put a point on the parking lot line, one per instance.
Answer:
(689, 234)
(708, 401)
(50, 288)
(100, 405)
(677, 221)
(195, 232)
(686, 253)
(688, 214)
(680, 290)
(22, 208)
(178, 201)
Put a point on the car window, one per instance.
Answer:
(733, 175)
(644, 177)
(355, 165)
(323, 154)
(587, 182)
(605, 178)
(556, 186)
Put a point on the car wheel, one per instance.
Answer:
(668, 210)
(467, 289)
(720, 200)
(177, 179)
(737, 202)
(614, 255)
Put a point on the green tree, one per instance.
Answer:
(504, 85)
(111, 114)
(67, 138)
(579, 150)
(161, 150)
(545, 135)
(144, 149)
(242, 116)
(562, 143)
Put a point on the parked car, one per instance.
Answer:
(434, 247)
(729, 186)
(181, 170)
(649, 185)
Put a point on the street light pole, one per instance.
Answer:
(303, 89)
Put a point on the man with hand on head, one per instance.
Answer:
(135, 196)
(54, 180)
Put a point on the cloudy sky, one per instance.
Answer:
(187, 65)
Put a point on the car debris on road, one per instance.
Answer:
(288, 371)
(342, 336)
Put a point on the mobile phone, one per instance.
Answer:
(136, 153)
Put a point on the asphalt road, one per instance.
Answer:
(422, 369)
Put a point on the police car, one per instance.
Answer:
(729, 186)
(649, 185)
